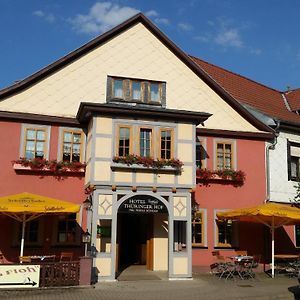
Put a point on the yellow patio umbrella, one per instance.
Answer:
(271, 214)
(25, 207)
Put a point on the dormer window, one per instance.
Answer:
(118, 89)
(155, 92)
(137, 91)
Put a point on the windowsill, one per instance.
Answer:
(225, 247)
(121, 166)
(199, 247)
(20, 168)
(134, 102)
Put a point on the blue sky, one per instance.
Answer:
(258, 39)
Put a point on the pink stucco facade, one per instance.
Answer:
(67, 188)
(222, 195)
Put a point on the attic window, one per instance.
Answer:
(137, 91)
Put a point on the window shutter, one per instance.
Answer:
(109, 89)
(163, 95)
(127, 89)
(289, 159)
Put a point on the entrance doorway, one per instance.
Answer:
(134, 240)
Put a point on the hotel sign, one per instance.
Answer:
(142, 204)
(19, 276)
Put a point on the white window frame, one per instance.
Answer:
(35, 126)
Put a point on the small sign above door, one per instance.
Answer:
(142, 204)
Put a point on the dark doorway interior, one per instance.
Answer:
(134, 233)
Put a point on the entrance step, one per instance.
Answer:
(139, 272)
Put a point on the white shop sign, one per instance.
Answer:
(19, 276)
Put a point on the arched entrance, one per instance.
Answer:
(142, 232)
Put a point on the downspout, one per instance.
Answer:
(268, 148)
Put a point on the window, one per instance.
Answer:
(293, 160)
(118, 88)
(32, 233)
(124, 141)
(136, 90)
(224, 156)
(146, 142)
(198, 228)
(154, 92)
(166, 141)
(201, 155)
(67, 229)
(35, 143)
(224, 233)
(72, 145)
(297, 235)
(179, 236)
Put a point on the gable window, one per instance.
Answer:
(155, 92)
(35, 143)
(118, 88)
(124, 141)
(297, 235)
(224, 155)
(166, 144)
(67, 229)
(198, 228)
(293, 161)
(72, 145)
(146, 142)
(136, 90)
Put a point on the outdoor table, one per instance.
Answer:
(43, 258)
(283, 263)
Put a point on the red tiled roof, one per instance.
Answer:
(266, 100)
(293, 98)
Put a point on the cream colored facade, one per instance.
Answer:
(135, 53)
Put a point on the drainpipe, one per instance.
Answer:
(268, 148)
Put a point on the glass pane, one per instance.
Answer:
(76, 138)
(40, 146)
(30, 146)
(118, 88)
(136, 90)
(75, 157)
(198, 233)
(66, 156)
(40, 135)
(124, 132)
(76, 148)
(68, 137)
(154, 92)
(67, 148)
(29, 154)
(30, 134)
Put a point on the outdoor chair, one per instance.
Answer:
(66, 256)
(221, 267)
(250, 265)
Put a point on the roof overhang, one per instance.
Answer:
(88, 110)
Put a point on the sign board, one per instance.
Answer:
(19, 276)
(142, 204)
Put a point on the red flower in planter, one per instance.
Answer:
(148, 162)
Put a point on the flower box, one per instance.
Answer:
(236, 178)
(144, 163)
(123, 166)
(19, 167)
(43, 165)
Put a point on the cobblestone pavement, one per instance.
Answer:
(202, 287)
